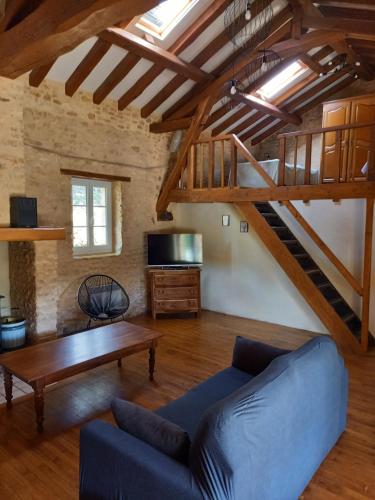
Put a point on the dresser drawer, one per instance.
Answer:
(176, 280)
(174, 293)
(176, 305)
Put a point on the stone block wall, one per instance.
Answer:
(50, 131)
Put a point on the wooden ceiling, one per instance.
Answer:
(35, 33)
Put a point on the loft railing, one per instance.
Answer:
(212, 163)
(327, 155)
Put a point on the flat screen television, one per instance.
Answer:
(175, 250)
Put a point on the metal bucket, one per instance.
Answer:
(13, 332)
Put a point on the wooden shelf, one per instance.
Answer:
(32, 234)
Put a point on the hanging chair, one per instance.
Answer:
(102, 299)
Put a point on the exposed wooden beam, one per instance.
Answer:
(306, 42)
(158, 55)
(321, 54)
(310, 63)
(329, 191)
(209, 51)
(37, 75)
(2, 8)
(214, 10)
(85, 67)
(12, 9)
(55, 28)
(238, 67)
(267, 108)
(342, 47)
(116, 76)
(193, 133)
(342, 25)
(170, 125)
(307, 107)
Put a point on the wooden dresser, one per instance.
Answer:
(175, 290)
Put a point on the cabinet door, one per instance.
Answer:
(334, 160)
(363, 111)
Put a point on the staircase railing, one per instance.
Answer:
(327, 155)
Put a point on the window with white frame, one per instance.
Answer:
(92, 216)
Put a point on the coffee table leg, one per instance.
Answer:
(39, 406)
(151, 363)
(8, 384)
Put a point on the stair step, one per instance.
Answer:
(301, 255)
(337, 300)
(291, 242)
(348, 317)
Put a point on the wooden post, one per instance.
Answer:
(367, 273)
(201, 165)
(192, 163)
(222, 177)
(211, 163)
(371, 156)
(233, 170)
(295, 160)
(308, 159)
(282, 151)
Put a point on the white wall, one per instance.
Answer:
(4, 273)
(241, 277)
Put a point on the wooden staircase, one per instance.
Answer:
(206, 171)
(311, 281)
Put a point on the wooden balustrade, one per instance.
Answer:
(342, 155)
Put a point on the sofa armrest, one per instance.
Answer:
(115, 465)
(254, 357)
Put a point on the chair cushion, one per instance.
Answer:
(254, 357)
(188, 410)
(151, 428)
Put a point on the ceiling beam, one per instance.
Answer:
(312, 104)
(362, 27)
(170, 125)
(278, 21)
(310, 63)
(143, 48)
(37, 75)
(214, 10)
(217, 87)
(85, 67)
(209, 51)
(55, 28)
(116, 76)
(241, 113)
(342, 47)
(265, 107)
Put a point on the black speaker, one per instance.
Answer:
(23, 212)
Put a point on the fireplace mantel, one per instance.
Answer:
(32, 234)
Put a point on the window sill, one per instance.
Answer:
(96, 256)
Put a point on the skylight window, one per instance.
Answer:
(161, 20)
(282, 80)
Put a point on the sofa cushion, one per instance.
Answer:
(254, 357)
(151, 428)
(187, 411)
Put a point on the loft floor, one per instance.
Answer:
(46, 467)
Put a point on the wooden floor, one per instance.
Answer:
(46, 467)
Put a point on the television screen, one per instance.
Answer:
(175, 250)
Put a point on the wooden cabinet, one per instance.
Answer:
(175, 290)
(344, 162)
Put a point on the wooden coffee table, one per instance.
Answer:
(49, 362)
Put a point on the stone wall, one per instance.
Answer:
(51, 132)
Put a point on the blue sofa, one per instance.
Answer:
(258, 434)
